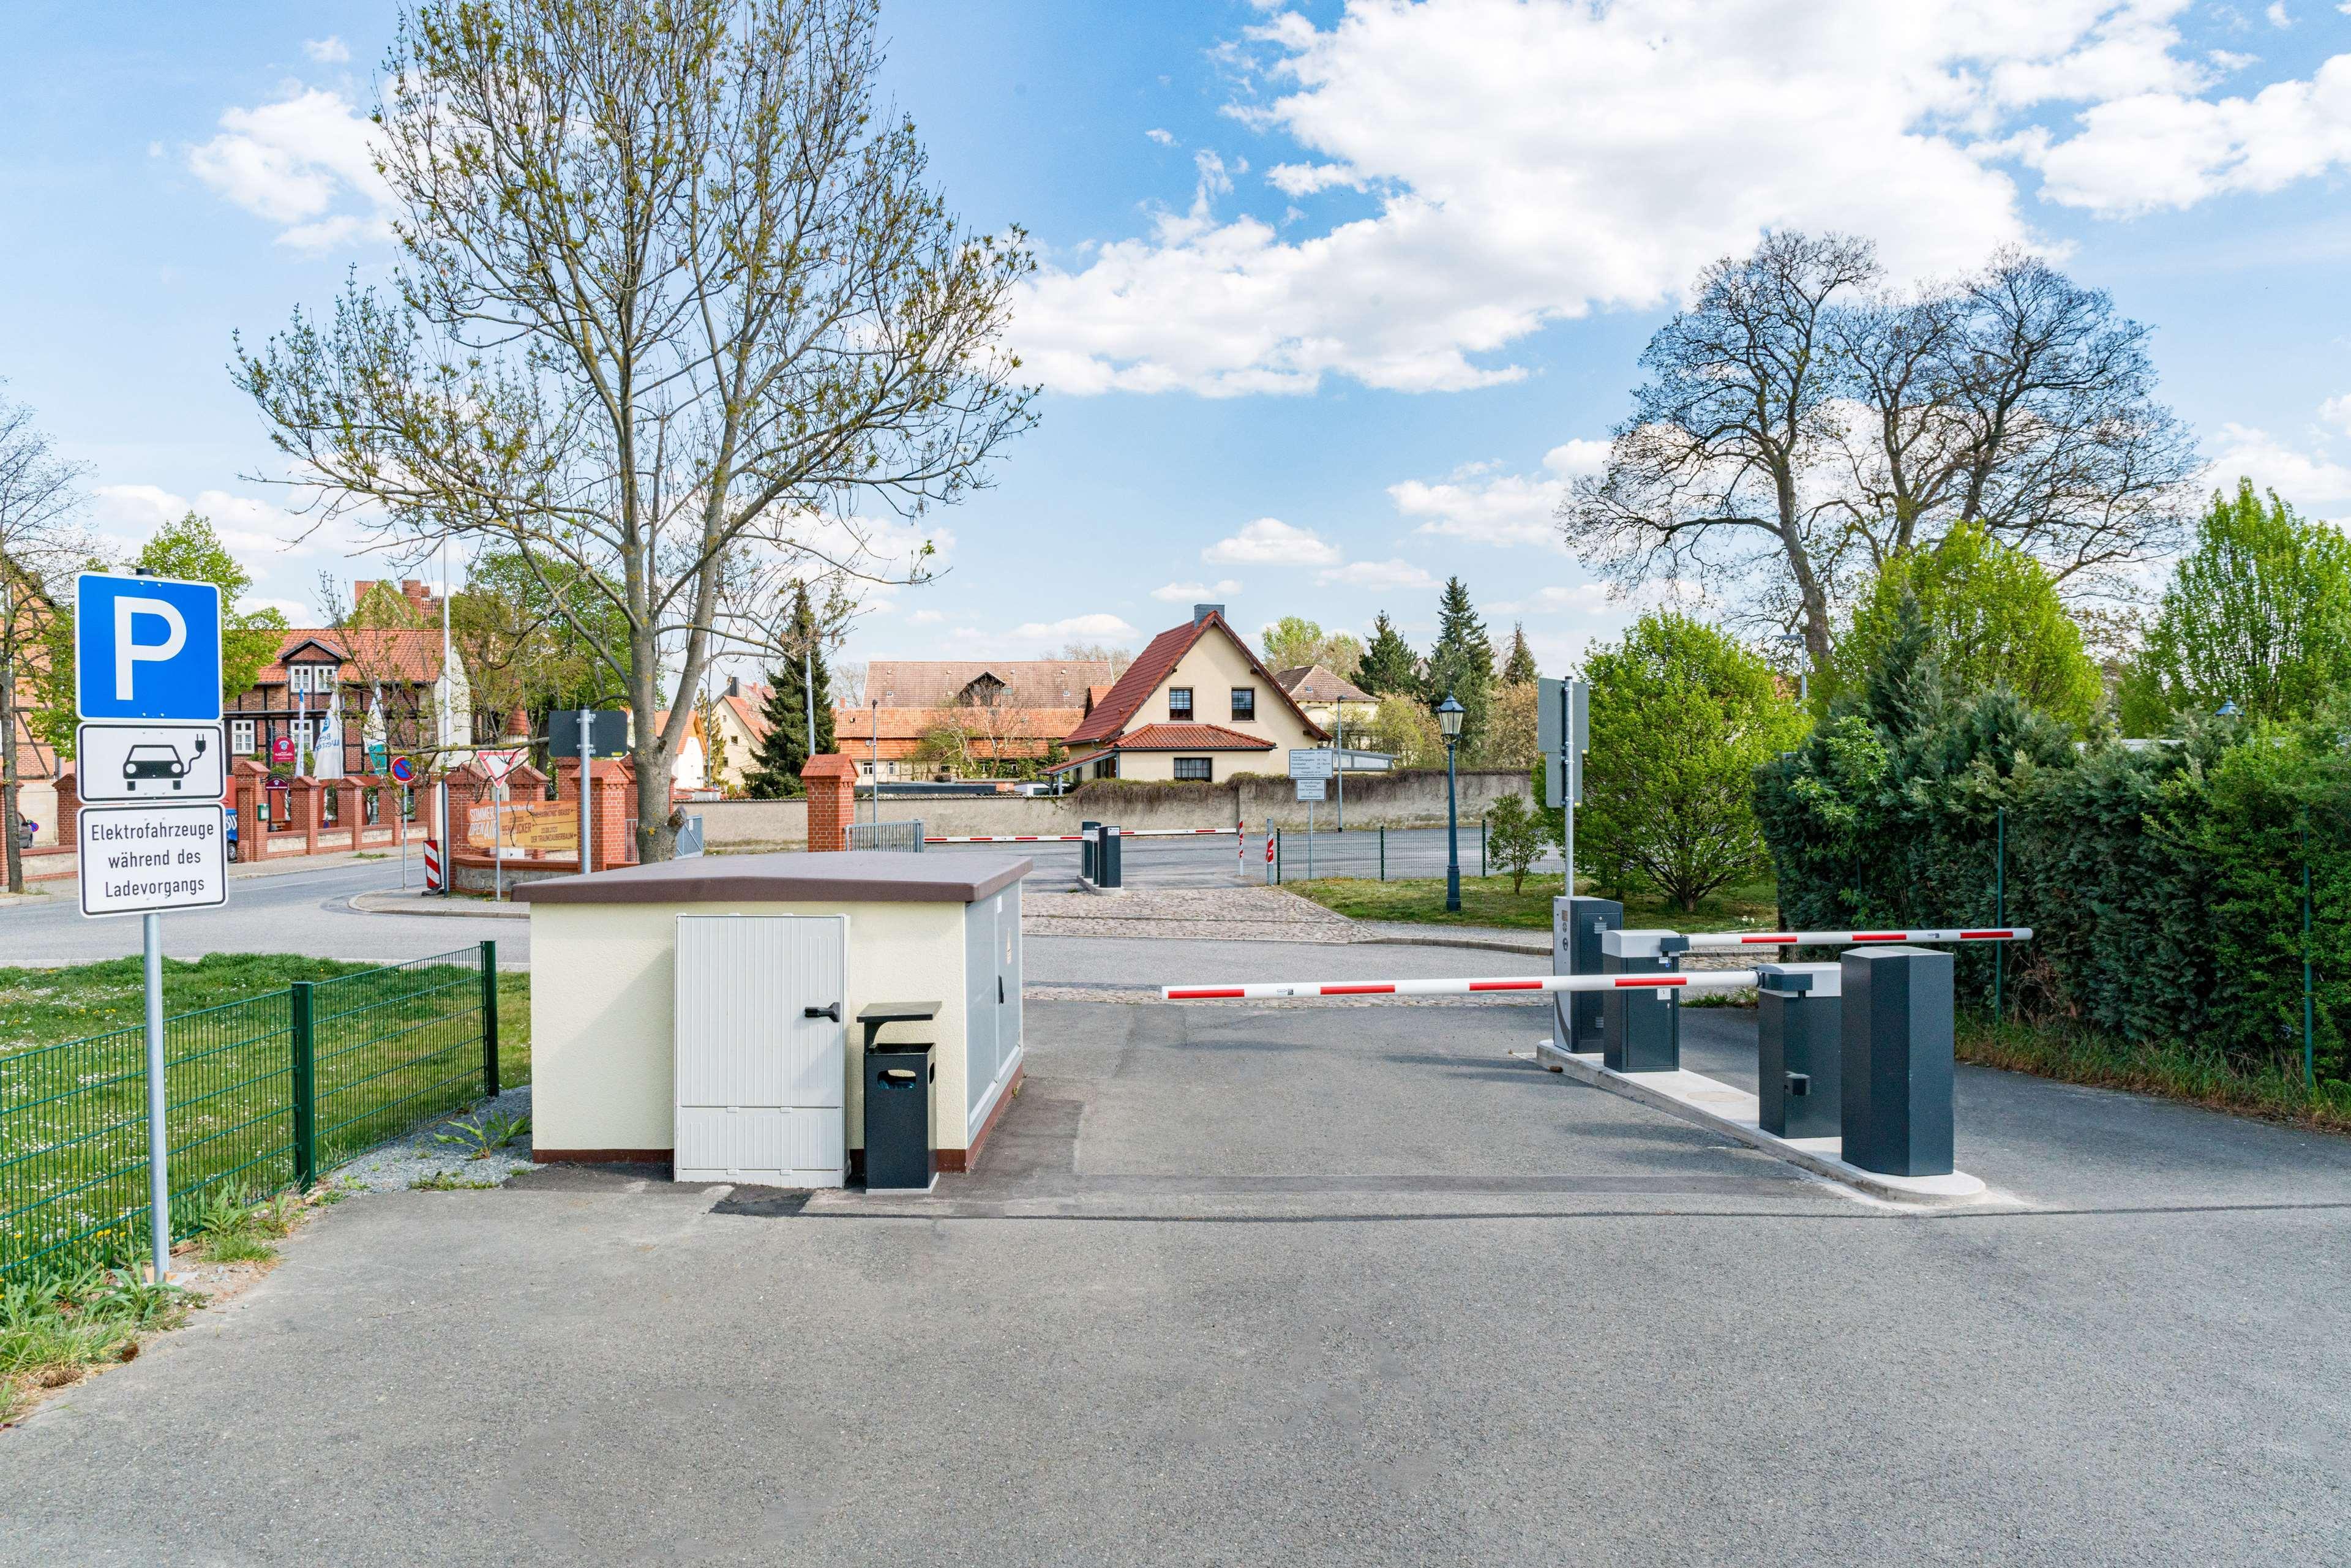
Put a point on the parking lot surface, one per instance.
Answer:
(1242, 1284)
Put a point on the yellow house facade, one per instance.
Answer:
(1197, 704)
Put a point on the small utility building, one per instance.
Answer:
(702, 1011)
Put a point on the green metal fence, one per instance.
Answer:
(262, 1093)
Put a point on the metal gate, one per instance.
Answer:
(761, 1050)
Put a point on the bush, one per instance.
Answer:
(2163, 884)
(1514, 839)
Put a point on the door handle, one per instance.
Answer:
(999, 988)
(831, 1011)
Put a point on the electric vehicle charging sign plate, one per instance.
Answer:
(163, 763)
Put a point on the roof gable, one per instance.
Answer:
(1154, 664)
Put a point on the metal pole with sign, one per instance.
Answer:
(153, 771)
(587, 755)
(1563, 733)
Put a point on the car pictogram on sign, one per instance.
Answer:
(158, 763)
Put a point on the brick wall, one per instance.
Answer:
(832, 781)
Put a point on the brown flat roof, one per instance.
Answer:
(846, 876)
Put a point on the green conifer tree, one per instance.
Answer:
(775, 773)
(1461, 664)
(1389, 663)
(1520, 667)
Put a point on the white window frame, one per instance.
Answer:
(240, 737)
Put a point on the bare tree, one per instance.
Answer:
(674, 305)
(1801, 425)
(40, 550)
(2020, 400)
(1708, 479)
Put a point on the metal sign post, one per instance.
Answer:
(153, 772)
(404, 773)
(586, 756)
(1563, 733)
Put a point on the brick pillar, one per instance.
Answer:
(302, 808)
(245, 787)
(614, 813)
(832, 781)
(68, 808)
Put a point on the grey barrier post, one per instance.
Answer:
(1640, 1028)
(1798, 1050)
(1896, 1061)
(1091, 830)
(1107, 869)
(1576, 924)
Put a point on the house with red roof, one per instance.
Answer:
(334, 694)
(1196, 703)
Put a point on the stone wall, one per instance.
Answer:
(1374, 800)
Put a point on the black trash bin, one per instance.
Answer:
(898, 1153)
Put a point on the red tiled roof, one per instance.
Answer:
(1155, 663)
(366, 653)
(1190, 737)
(748, 711)
(857, 724)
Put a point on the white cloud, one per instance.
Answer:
(1194, 593)
(2336, 411)
(1501, 510)
(329, 51)
(2302, 478)
(926, 618)
(249, 527)
(2277, 14)
(1397, 574)
(302, 162)
(296, 614)
(1528, 161)
(2166, 150)
(1269, 541)
(1087, 626)
(1165, 138)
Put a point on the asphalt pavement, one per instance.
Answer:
(1212, 862)
(1300, 1284)
(307, 911)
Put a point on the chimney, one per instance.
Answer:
(734, 686)
(412, 589)
(1202, 611)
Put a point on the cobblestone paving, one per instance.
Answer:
(1226, 915)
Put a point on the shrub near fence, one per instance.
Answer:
(262, 1093)
(2164, 885)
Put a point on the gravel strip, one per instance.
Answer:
(396, 1165)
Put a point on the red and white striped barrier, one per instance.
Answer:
(433, 880)
(1717, 941)
(1291, 991)
(1012, 839)
(1077, 838)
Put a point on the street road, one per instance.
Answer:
(286, 912)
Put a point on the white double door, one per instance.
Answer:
(762, 1052)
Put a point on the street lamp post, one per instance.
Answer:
(1450, 713)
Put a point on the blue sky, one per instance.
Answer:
(1334, 298)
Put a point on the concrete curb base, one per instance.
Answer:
(1723, 1108)
(1481, 944)
(420, 904)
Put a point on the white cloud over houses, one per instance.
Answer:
(327, 51)
(1193, 592)
(1488, 508)
(1102, 625)
(1269, 541)
(303, 163)
(1506, 163)
(253, 529)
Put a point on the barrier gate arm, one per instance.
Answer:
(1291, 990)
(1718, 941)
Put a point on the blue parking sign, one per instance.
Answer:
(146, 647)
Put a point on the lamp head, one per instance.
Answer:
(1449, 714)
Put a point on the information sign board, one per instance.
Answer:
(145, 860)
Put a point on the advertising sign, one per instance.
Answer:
(550, 827)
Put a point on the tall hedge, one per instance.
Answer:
(2163, 884)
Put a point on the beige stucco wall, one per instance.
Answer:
(742, 748)
(603, 991)
(1212, 669)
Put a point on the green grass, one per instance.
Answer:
(2176, 1070)
(1488, 901)
(392, 1047)
(56, 1324)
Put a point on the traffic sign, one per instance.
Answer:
(142, 859)
(498, 764)
(1312, 762)
(146, 647)
(148, 761)
(403, 770)
(607, 731)
(1311, 788)
(1364, 761)
(1563, 736)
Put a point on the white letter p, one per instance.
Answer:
(128, 652)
